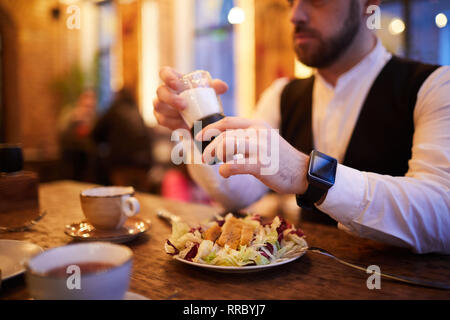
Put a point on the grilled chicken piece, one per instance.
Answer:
(231, 233)
(213, 233)
(246, 234)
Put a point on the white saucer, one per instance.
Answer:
(13, 254)
(84, 231)
(134, 296)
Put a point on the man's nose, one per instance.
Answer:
(298, 12)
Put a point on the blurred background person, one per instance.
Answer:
(123, 144)
(77, 147)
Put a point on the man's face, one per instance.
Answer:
(324, 29)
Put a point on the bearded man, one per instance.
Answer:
(364, 142)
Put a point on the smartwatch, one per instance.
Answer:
(321, 175)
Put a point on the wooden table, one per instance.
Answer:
(157, 276)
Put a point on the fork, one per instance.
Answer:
(408, 280)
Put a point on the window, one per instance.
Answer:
(214, 45)
(106, 41)
(422, 39)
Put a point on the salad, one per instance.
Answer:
(236, 242)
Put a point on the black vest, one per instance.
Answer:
(382, 138)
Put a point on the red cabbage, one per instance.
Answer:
(194, 229)
(264, 254)
(298, 232)
(269, 247)
(280, 237)
(176, 250)
(283, 226)
(192, 253)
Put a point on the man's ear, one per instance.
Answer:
(367, 3)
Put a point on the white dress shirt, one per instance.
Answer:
(411, 211)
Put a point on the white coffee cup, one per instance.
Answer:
(109, 207)
(110, 283)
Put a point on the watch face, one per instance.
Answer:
(323, 167)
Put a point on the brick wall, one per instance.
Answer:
(274, 45)
(41, 48)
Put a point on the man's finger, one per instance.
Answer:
(168, 97)
(230, 169)
(171, 78)
(210, 151)
(225, 146)
(219, 86)
(224, 124)
(171, 123)
(165, 109)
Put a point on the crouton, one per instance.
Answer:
(231, 233)
(246, 234)
(213, 233)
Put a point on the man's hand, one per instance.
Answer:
(262, 147)
(168, 104)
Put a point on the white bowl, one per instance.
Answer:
(109, 284)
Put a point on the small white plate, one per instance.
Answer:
(248, 269)
(13, 254)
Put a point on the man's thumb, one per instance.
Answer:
(219, 86)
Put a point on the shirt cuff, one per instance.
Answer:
(345, 200)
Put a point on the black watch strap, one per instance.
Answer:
(321, 176)
(312, 195)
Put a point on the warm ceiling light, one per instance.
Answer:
(441, 20)
(236, 16)
(396, 26)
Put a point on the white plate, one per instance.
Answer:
(13, 254)
(248, 269)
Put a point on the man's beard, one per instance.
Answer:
(329, 50)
